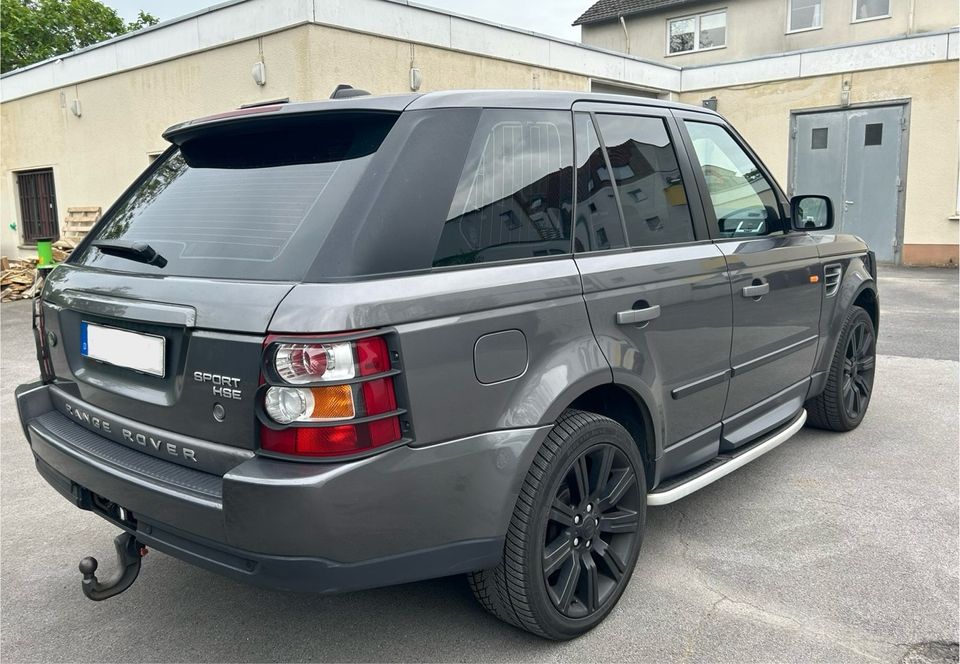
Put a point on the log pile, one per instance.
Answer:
(20, 280)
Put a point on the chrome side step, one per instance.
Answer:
(697, 482)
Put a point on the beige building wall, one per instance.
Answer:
(759, 27)
(762, 114)
(97, 155)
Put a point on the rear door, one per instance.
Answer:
(775, 276)
(656, 288)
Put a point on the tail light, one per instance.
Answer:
(328, 397)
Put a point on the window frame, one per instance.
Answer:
(691, 183)
(879, 17)
(791, 30)
(709, 213)
(696, 32)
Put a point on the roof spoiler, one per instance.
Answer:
(344, 91)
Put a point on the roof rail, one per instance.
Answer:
(344, 91)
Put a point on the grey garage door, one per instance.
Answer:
(855, 157)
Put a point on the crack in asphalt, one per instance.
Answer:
(779, 620)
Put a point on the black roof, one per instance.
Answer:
(606, 10)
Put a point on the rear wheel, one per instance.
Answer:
(575, 534)
(844, 401)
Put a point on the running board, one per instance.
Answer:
(714, 471)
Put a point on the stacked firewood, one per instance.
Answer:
(20, 279)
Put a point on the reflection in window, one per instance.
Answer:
(871, 9)
(743, 200)
(695, 33)
(818, 139)
(873, 134)
(805, 14)
(654, 201)
(515, 193)
(598, 225)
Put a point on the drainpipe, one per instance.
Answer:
(911, 17)
(626, 35)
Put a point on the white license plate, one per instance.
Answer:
(122, 348)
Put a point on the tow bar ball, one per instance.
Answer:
(129, 554)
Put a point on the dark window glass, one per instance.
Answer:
(743, 200)
(818, 139)
(249, 203)
(598, 226)
(646, 174)
(515, 193)
(873, 134)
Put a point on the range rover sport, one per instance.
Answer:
(344, 344)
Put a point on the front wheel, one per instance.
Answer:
(575, 533)
(846, 396)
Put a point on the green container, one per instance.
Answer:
(45, 252)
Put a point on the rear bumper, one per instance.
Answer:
(406, 514)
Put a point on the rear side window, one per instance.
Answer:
(598, 226)
(647, 178)
(246, 203)
(515, 192)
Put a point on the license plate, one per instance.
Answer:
(122, 348)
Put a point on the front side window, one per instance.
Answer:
(696, 33)
(515, 192)
(805, 14)
(647, 177)
(867, 9)
(743, 200)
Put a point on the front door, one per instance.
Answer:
(855, 157)
(656, 289)
(775, 277)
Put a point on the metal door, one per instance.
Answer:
(38, 205)
(855, 156)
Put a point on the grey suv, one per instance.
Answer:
(336, 345)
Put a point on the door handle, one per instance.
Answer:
(756, 290)
(637, 316)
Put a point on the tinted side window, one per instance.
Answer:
(743, 200)
(647, 176)
(515, 193)
(597, 226)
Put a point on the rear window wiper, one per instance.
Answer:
(135, 251)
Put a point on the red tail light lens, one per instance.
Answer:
(310, 365)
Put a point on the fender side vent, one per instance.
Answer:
(831, 279)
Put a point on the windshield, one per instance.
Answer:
(254, 203)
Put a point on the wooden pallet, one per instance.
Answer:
(78, 222)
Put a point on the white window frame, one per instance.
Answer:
(791, 31)
(853, 13)
(696, 32)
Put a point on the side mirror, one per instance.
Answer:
(811, 213)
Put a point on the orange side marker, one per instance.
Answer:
(814, 278)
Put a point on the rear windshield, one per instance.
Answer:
(251, 203)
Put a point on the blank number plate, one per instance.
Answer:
(122, 348)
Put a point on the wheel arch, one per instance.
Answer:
(629, 410)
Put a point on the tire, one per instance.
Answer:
(845, 398)
(594, 533)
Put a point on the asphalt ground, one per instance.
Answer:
(831, 548)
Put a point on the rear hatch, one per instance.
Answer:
(237, 211)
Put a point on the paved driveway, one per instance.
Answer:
(831, 548)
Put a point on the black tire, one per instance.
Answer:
(845, 398)
(594, 528)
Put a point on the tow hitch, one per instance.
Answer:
(129, 553)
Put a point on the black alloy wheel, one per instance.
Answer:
(592, 527)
